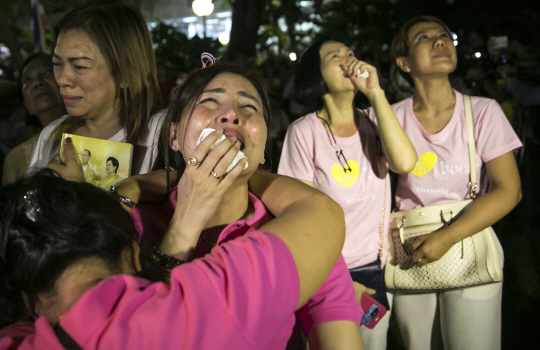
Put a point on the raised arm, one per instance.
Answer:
(397, 147)
(311, 224)
(150, 187)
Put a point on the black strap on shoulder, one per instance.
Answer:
(64, 338)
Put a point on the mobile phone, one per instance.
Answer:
(499, 42)
(373, 311)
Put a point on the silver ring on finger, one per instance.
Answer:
(216, 176)
(193, 161)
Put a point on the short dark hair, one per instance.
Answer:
(400, 43)
(114, 162)
(46, 225)
(183, 103)
(89, 153)
(309, 84)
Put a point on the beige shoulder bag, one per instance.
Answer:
(473, 261)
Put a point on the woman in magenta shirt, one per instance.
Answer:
(241, 295)
(223, 103)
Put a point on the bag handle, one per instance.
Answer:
(473, 183)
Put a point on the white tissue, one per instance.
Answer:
(236, 159)
(364, 75)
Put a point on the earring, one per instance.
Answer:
(408, 69)
(173, 147)
(262, 161)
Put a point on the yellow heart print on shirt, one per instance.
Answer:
(425, 163)
(346, 178)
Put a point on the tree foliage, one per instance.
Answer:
(178, 53)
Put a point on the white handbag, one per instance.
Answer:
(473, 261)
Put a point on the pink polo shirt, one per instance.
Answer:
(334, 301)
(233, 298)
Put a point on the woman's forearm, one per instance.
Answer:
(335, 335)
(397, 146)
(309, 222)
(151, 187)
(482, 212)
(504, 195)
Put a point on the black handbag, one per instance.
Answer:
(371, 276)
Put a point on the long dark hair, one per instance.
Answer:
(183, 103)
(46, 225)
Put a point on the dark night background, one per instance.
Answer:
(369, 25)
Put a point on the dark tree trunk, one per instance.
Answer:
(7, 36)
(245, 24)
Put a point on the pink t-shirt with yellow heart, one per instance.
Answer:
(309, 154)
(442, 171)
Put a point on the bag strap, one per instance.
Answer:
(381, 228)
(64, 338)
(473, 183)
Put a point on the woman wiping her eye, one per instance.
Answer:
(346, 153)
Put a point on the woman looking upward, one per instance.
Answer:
(41, 98)
(434, 120)
(346, 154)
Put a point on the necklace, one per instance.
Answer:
(339, 153)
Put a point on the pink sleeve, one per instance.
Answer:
(243, 294)
(297, 154)
(334, 301)
(11, 336)
(494, 134)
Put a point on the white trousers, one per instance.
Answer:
(468, 318)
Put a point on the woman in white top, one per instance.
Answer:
(434, 120)
(105, 66)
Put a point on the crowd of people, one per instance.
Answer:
(200, 249)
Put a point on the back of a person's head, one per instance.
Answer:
(46, 225)
(122, 37)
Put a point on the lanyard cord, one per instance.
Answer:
(339, 153)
